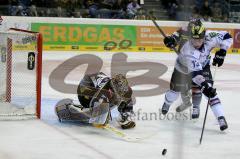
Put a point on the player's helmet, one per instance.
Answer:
(120, 84)
(196, 29)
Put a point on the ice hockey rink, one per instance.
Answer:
(49, 139)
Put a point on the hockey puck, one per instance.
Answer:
(164, 151)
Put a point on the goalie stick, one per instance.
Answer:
(123, 135)
(118, 133)
(103, 124)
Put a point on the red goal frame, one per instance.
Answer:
(38, 69)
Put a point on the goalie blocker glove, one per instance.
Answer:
(219, 57)
(208, 91)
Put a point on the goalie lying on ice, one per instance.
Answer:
(98, 94)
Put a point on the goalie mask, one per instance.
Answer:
(120, 84)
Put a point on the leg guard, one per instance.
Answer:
(62, 110)
(196, 97)
(66, 111)
(100, 113)
(216, 107)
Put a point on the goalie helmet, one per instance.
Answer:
(120, 84)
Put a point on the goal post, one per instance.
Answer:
(20, 74)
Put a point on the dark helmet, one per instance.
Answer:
(196, 29)
(120, 84)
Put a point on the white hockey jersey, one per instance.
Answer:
(191, 59)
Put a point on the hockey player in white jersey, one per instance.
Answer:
(178, 38)
(192, 67)
(98, 94)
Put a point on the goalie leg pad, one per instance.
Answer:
(66, 110)
(62, 110)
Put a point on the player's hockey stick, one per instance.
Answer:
(160, 30)
(205, 117)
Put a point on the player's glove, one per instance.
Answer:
(219, 57)
(170, 41)
(207, 90)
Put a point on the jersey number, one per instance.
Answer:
(195, 64)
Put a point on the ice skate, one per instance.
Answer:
(165, 108)
(195, 113)
(222, 123)
(183, 107)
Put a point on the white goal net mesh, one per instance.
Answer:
(19, 75)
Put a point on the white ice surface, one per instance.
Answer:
(49, 139)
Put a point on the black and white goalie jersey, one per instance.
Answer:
(97, 80)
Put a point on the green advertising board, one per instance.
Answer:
(84, 34)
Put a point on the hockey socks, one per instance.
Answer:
(217, 109)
